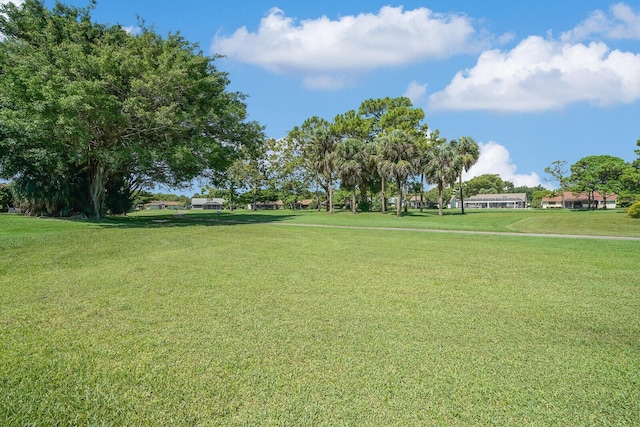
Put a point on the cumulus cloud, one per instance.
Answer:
(416, 92)
(622, 22)
(325, 49)
(541, 74)
(495, 159)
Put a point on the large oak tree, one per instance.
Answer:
(89, 113)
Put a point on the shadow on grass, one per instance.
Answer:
(186, 220)
(432, 212)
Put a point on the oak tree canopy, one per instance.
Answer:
(89, 112)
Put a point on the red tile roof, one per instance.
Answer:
(580, 197)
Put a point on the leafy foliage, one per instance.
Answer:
(488, 184)
(397, 160)
(351, 158)
(89, 113)
(634, 210)
(598, 173)
(6, 197)
(316, 141)
(442, 165)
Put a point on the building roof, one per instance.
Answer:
(204, 201)
(505, 197)
(161, 203)
(580, 197)
(277, 203)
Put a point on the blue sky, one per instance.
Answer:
(531, 81)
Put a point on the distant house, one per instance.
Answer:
(207, 204)
(155, 205)
(304, 204)
(416, 203)
(581, 201)
(270, 206)
(453, 202)
(496, 201)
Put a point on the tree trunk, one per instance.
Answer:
(440, 191)
(406, 192)
(96, 189)
(421, 192)
(399, 201)
(461, 195)
(353, 202)
(254, 205)
(318, 192)
(383, 196)
(330, 186)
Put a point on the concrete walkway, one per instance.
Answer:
(488, 233)
(419, 230)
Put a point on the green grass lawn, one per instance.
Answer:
(233, 319)
(595, 223)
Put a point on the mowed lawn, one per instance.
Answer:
(234, 319)
(593, 223)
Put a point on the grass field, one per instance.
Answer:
(234, 319)
(596, 223)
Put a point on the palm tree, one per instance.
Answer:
(320, 153)
(397, 160)
(350, 163)
(423, 144)
(468, 152)
(376, 158)
(441, 166)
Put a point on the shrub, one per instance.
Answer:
(364, 206)
(634, 210)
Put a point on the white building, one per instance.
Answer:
(207, 204)
(496, 201)
(581, 201)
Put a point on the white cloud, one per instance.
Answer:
(349, 44)
(622, 22)
(416, 93)
(541, 74)
(495, 159)
(506, 38)
(132, 30)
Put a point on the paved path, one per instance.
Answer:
(429, 230)
(488, 233)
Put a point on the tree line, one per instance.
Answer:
(371, 153)
(362, 157)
